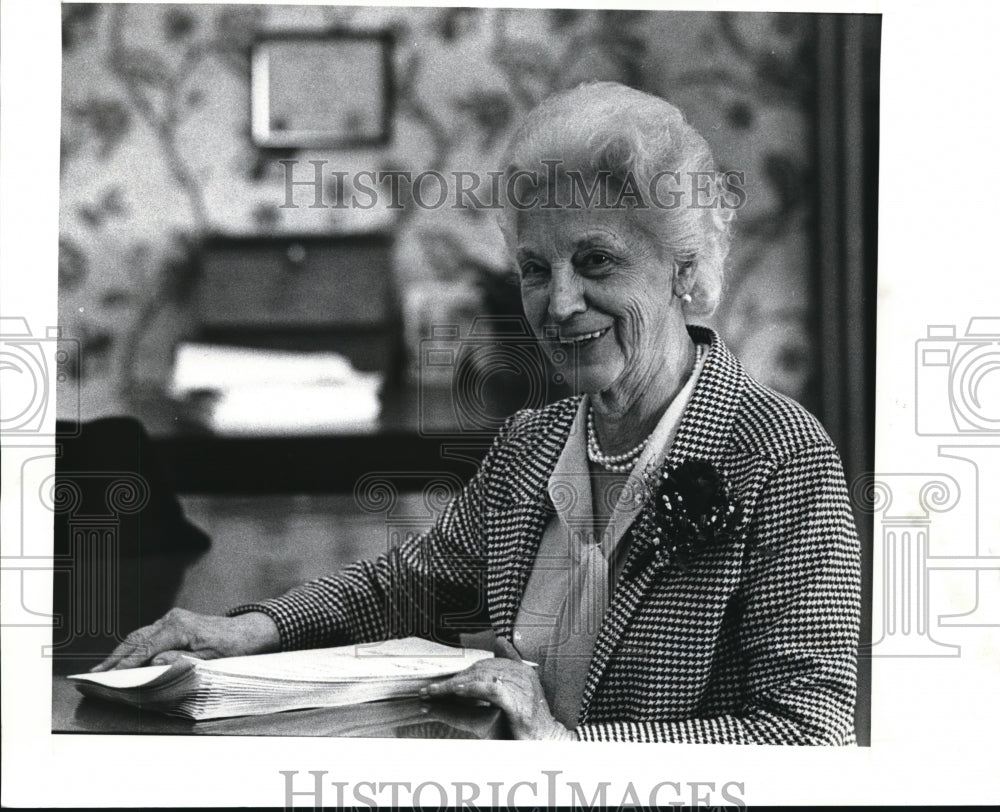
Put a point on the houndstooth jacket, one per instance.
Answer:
(755, 641)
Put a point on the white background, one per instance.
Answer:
(935, 722)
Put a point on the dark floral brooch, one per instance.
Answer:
(690, 509)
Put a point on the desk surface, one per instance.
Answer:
(399, 718)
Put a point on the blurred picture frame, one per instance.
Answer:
(324, 90)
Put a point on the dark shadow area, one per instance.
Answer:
(121, 541)
(847, 146)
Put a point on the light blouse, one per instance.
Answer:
(569, 586)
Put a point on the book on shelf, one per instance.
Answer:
(289, 680)
(246, 391)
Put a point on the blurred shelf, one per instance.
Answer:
(418, 437)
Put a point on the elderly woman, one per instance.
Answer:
(674, 547)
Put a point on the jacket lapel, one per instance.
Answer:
(703, 433)
(516, 529)
(705, 429)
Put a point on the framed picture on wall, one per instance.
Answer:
(322, 90)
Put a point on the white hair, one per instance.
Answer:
(612, 129)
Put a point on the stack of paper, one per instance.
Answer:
(277, 392)
(269, 683)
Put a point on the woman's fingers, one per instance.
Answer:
(474, 686)
(169, 632)
(458, 683)
(205, 636)
(138, 648)
(511, 686)
(498, 682)
(171, 657)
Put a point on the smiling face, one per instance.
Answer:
(593, 279)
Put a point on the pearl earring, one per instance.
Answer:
(686, 298)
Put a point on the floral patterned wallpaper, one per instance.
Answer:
(156, 153)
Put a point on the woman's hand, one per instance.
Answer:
(512, 686)
(204, 636)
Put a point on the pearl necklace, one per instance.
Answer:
(625, 462)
